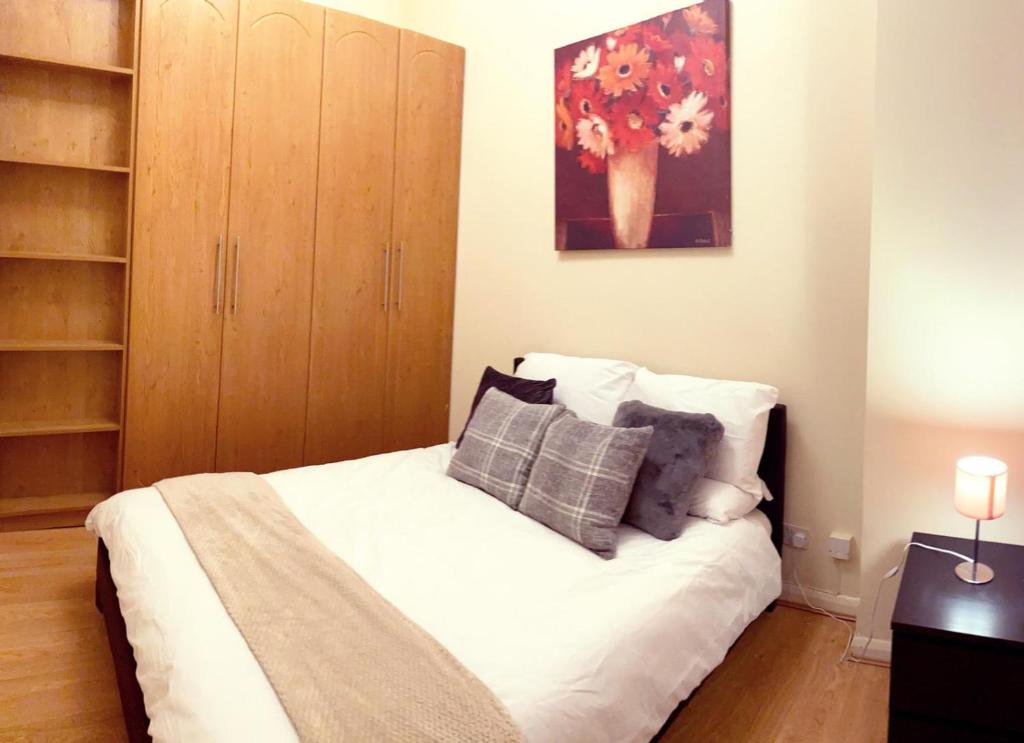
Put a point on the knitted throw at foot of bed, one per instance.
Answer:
(345, 663)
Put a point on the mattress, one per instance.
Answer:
(577, 648)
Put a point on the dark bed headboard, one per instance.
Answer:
(773, 471)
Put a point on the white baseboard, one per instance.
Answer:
(879, 652)
(842, 606)
(838, 603)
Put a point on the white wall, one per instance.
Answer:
(946, 338)
(786, 305)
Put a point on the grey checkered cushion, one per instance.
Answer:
(501, 444)
(582, 479)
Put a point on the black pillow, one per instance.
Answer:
(679, 454)
(527, 390)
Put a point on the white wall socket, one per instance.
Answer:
(840, 545)
(795, 536)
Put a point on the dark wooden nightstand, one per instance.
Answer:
(958, 649)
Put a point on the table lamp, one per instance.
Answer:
(980, 495)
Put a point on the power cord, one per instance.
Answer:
(891, 573)
(847, 624)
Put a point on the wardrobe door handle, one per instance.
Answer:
(401, 273)
(218, 290)
(387, 277)
(238, 266)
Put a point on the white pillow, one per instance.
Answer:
(591, 388)
(721, 502)
(741, 407)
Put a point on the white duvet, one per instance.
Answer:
(578, 648)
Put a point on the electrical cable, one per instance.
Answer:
(891, 573)
(847, 624)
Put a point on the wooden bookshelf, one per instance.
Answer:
(29, 345)
(35, 61)
(71, 257)
(90, 32)
(67, 137)
(51, 213)
(61, 301)
(89, 454)
(57, 427)
(47, 511)
(63, 117)
(21, 160)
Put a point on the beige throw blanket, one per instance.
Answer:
(345, 663)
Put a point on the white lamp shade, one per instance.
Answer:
(980, 488)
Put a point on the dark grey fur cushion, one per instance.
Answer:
(679, 454)
(582, 479)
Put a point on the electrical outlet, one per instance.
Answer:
(840, 545)
(795, 536)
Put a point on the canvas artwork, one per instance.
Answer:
(642, 148)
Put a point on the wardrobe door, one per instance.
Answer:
(186, 82)
(424, 232)
(265, 366)
(353, 230)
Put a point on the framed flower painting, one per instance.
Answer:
(642, 146)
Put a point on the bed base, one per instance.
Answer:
(772, 470)
(132, 705)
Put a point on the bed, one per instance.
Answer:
(577, 648)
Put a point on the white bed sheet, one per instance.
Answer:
(577, 648)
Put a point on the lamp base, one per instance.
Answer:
(966, 572)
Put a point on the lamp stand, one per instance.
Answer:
(975, 572)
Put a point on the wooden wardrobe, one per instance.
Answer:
(294, 238)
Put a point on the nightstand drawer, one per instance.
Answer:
(942, 679)
(905, 728)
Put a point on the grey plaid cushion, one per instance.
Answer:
(582, 479)
(500, 445)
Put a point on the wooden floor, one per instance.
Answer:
(56, 676)
(780, 682)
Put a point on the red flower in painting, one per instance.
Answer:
(586, 100)
(628, 66)
(654, 39)
(591, 162)
(719, 105)
(665, 79)
(679, 49)
(564, 136)
(633, 118)
(563, 81)
(625, 35)
(699, 22)
(707, 66)
(664, 86)
(680, 43)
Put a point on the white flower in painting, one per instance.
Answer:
(686, 126)
(593, 135)
(586, 63)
